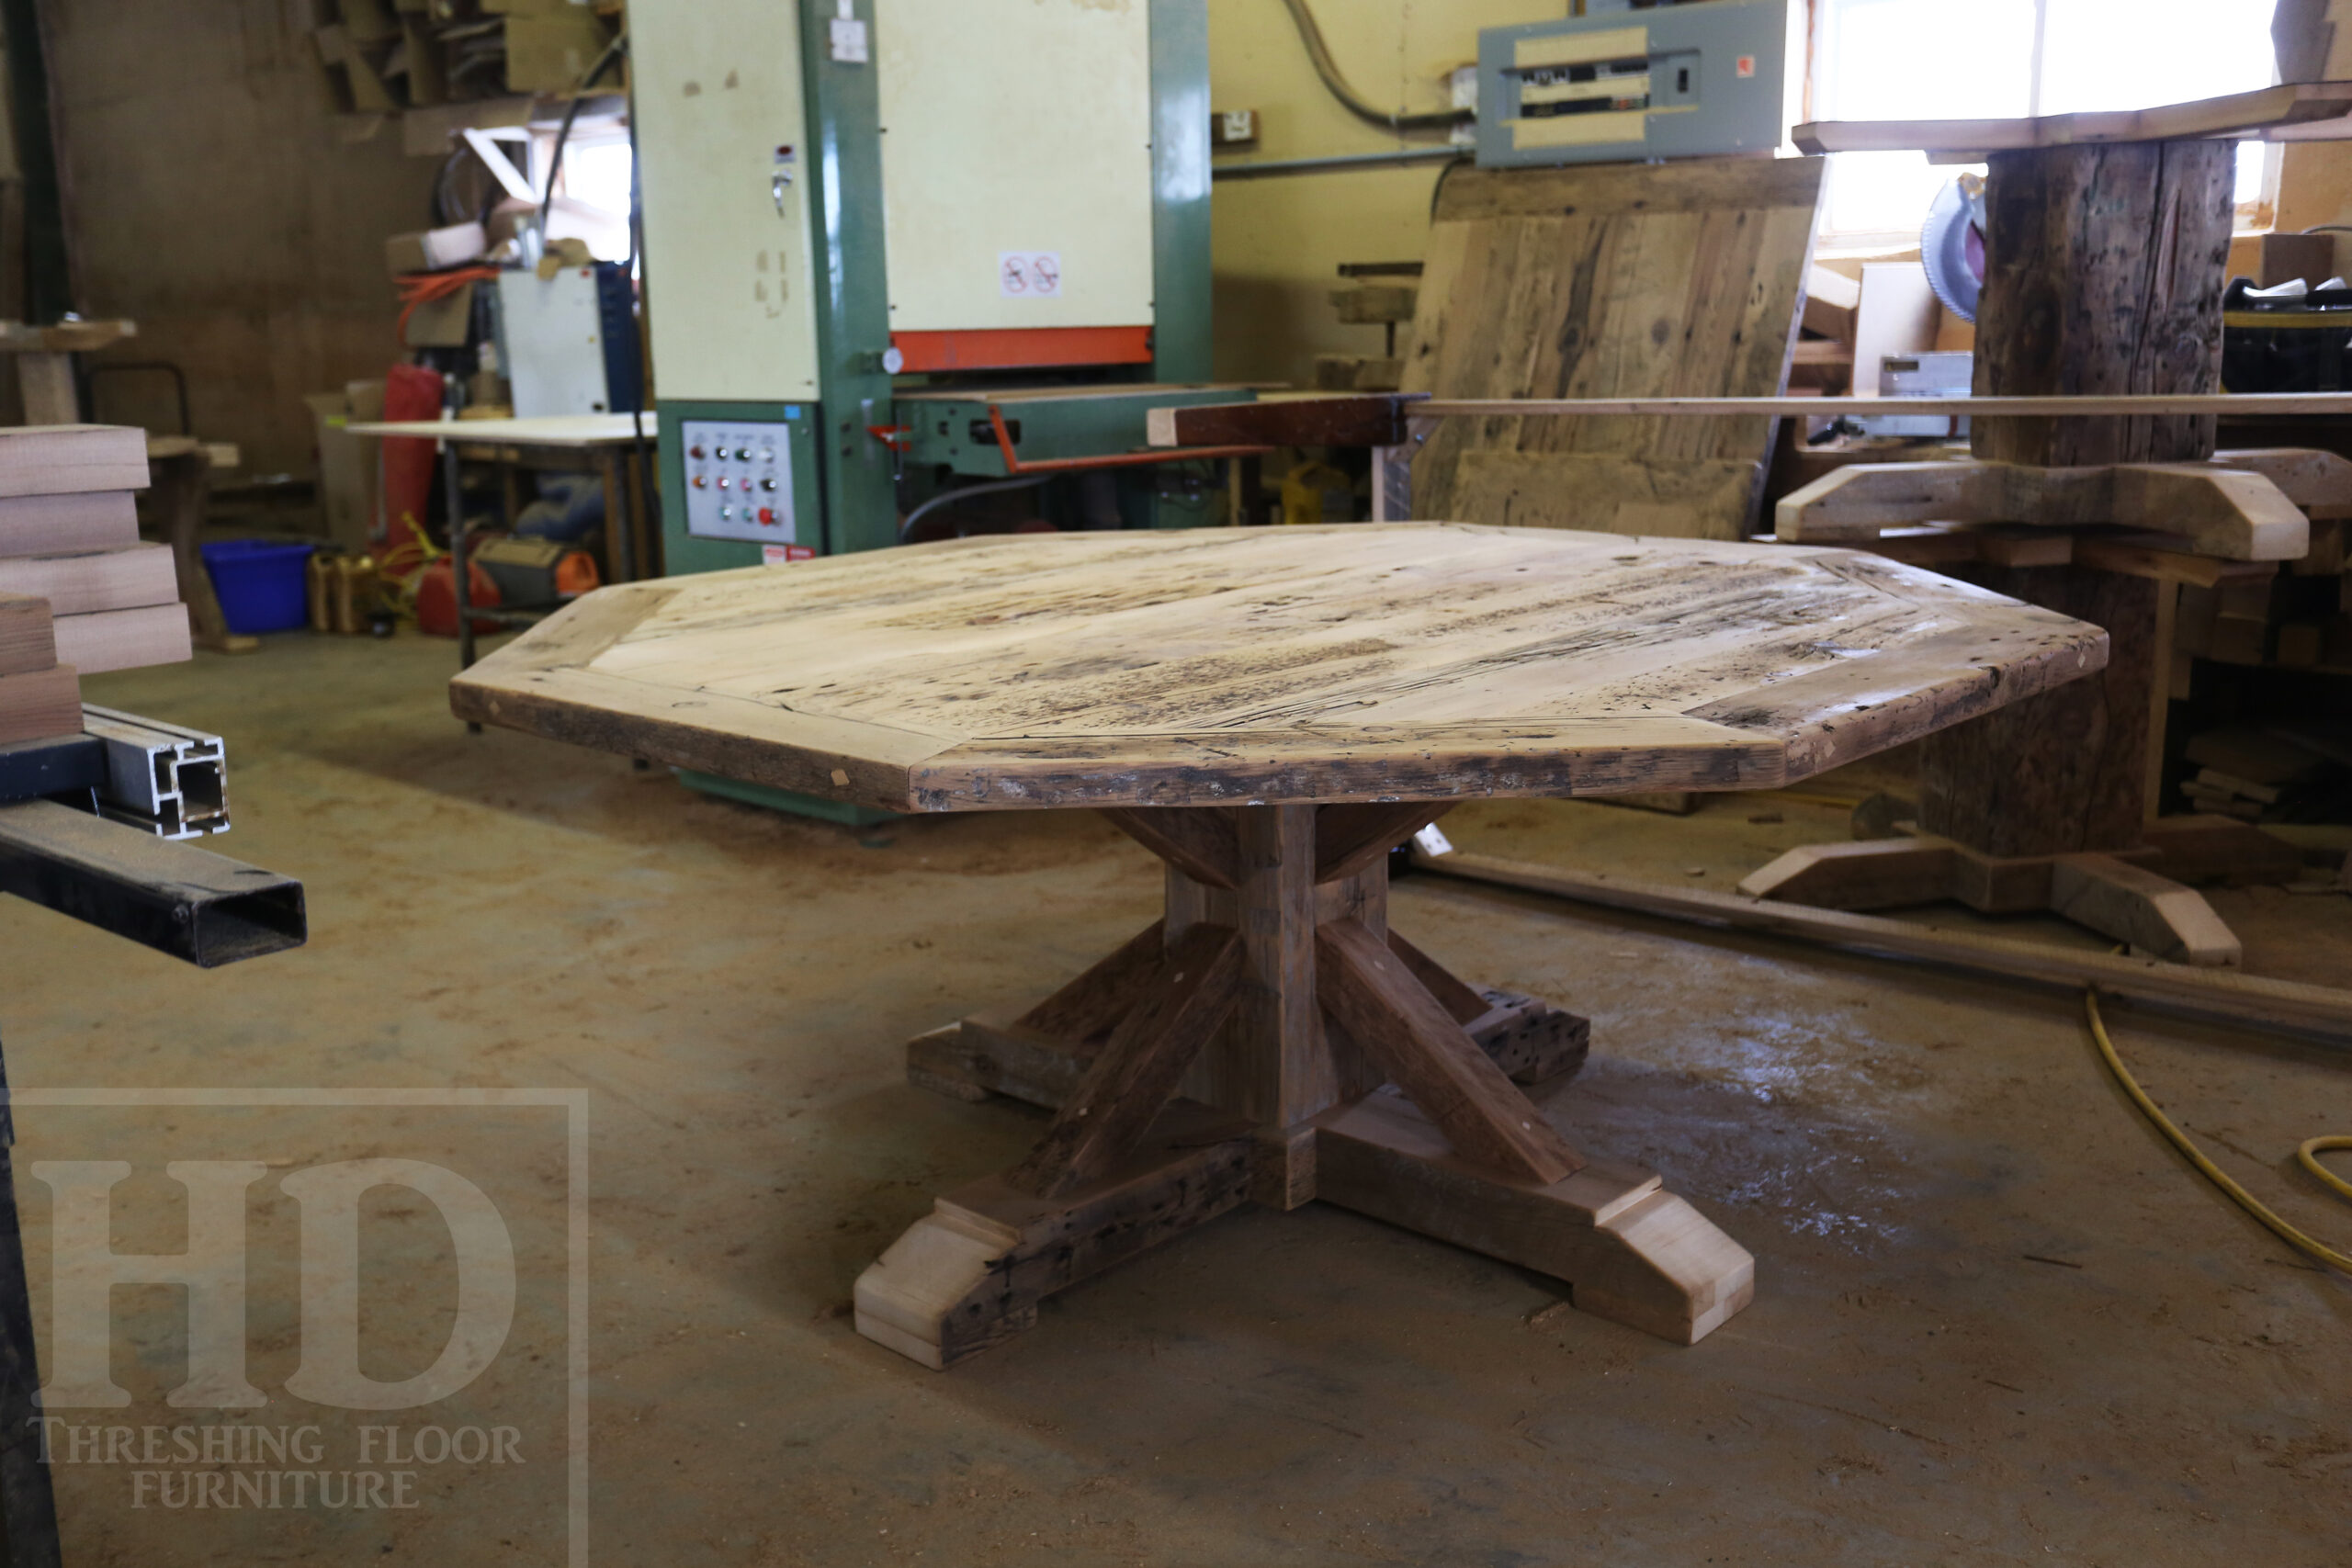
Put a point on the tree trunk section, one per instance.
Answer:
(2067, 770)
(2105, 267)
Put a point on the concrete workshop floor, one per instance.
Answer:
(1997, 1322)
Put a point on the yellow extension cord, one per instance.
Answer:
(2308, 1154)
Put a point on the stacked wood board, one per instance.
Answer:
(1673, 280)
(39, 698)
(69, 540)
(2298, 619)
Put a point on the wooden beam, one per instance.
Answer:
(27, 639)
(1364, 420)
(1531, 1041)
(1453, 993)
(1131, 1080)
(2079, 406)
(1198, 840)
(1875, 873)
(976, 1057)
(2237, 516)
(2218, 511)
(2319, 482)
(2234, 114)
(1098, 1000)
(2214, 993)
(970, 1273)
(1856, 502)
(1349, 839)
(1417, 1043)
(2135, 905)
(2219, 849)
(1632, 1253)
(2142, 557)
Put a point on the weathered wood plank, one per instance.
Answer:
(1594, 280)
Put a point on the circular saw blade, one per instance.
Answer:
(1951, 245)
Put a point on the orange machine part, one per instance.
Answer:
(1023, 348)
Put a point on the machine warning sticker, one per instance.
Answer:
(780, 554)
(1029, 275)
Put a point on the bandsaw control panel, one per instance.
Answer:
(739, 481)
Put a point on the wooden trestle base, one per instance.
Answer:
(2139, 895)
(1272, 1041)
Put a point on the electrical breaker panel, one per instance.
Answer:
(1668, 82)
(739, 481)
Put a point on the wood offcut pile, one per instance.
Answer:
(80, 593)
(2300, 619)
(2276, 773)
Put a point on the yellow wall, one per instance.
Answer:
(1281, 239)
(2315, 178)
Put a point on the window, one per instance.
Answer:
(593, 191)
(2007, 59)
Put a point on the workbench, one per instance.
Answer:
(1270, 712)
(604, 443)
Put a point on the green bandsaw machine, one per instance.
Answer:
(898, 250)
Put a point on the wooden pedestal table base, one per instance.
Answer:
(1270, 1039)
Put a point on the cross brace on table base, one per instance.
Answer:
(1271, 1041)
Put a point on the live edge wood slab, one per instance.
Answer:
(1270, 710)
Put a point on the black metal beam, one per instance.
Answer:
(187, 902)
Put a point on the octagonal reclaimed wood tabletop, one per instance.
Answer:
(1233, 666)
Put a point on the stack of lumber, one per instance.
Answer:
(1381, 294)
(2300, 619)
(39, 698)
(2294, 772)
(69, 540)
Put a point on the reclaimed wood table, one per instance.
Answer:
(1270, 710)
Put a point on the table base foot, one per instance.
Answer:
(970, 1273)
(1630, 1251)
(2124, 894)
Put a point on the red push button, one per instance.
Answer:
(767, 515)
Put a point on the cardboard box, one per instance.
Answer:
(435, 249)
(348, 473)
(446, 322)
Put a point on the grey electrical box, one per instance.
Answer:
(1667, 82)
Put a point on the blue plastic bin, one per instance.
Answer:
(260, 584)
